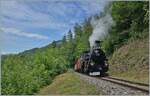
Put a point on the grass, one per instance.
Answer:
(131, 61)
(69, 84)
(134, 76)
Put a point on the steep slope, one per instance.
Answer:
(69, 84)
(131, 61)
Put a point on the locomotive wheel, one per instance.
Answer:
(86, 70)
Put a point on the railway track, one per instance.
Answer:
(116, 86)
(137, 86)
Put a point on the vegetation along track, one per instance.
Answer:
(133, 85)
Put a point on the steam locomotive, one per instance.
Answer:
(92, 62)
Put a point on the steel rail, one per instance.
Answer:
(142, 84)
(130, 84)
(126, 83)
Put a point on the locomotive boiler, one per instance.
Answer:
(92, 61)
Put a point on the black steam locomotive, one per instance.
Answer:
(93, 61)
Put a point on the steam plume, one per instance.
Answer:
(100, 28)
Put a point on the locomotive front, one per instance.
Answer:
(98, 61)
(93, 61)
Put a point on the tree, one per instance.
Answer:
(64, 39)
(53, 44)
(77, 31)
(70, 37)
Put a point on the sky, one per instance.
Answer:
(27, 24)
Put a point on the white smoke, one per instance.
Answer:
(100, 28)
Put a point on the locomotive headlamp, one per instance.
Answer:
(92, 63)
(106, 63)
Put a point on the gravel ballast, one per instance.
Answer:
(109, 88)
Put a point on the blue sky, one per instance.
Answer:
(27, 24)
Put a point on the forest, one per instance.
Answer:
(27, 72)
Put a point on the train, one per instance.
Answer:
(93, 61)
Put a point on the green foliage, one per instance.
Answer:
(82, 34)
(131, 19)
(23, 74)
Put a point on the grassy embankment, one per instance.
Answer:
(68, 84)
(131, 61)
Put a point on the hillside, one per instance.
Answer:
(131, 61)
(69, 84)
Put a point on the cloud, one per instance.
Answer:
(51, 18)
(23, 34)
(23, 13)
(51, 14)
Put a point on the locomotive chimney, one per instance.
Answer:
(96, 44)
